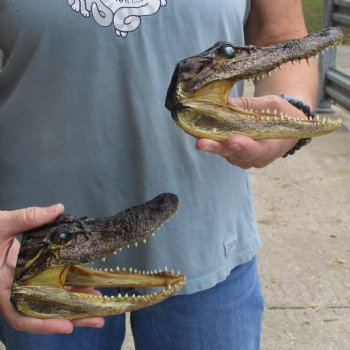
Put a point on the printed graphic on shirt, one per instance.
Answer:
(125, 15)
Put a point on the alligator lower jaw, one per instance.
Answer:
(218, 122)
(46, 296)
(207, 114)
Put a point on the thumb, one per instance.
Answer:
(16, 222)
(260, 103)
(245, 102)
(257, 103)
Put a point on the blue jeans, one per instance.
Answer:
(227, 316)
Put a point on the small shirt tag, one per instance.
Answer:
(230, 244)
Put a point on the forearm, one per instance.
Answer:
(273, 21)
(270, 22)
(299, 81)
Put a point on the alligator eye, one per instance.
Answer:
(228, 52)
(61, 237)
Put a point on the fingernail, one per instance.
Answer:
(54, 209)
(98, 325)
(236, 147)
(207, 148)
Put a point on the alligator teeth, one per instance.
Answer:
(112, 298)
(266, 115)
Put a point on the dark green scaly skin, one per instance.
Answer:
(50, 256)
(199, 89)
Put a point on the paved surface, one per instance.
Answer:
(304, 216)
(303, 210)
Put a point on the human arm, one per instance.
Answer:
(13, 223)
(270, 22)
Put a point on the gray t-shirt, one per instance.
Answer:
(83, 122)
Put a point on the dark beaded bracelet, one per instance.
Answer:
(307, 111)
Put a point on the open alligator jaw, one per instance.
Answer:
(50, 258)
(198, 93)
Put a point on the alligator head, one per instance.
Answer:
(50, 258)
(198, 93)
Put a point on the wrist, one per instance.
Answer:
(306, 109)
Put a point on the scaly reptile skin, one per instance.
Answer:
(50, 259)
(200, 86)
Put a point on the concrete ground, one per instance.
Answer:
(303, 209)
(303, 212)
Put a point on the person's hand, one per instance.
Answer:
(13, 223)
(245, 152)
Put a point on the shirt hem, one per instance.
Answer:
(219, 275)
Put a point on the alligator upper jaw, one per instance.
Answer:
(198, 93)
(90, 239)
